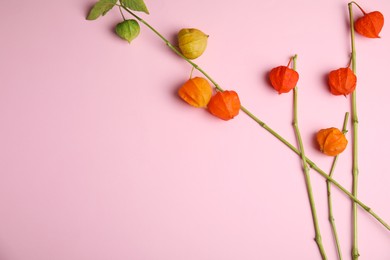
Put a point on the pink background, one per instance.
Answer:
(99, 158)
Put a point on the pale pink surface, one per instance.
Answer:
(99, 159)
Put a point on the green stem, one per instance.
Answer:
(330, 204)
(120, 10)
(306, 170)
(355, 169)
(268, 129)
(316, 168)
(173, 48)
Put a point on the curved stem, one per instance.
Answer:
(267, 128)
(361, 9)
(330, 204)
(192, 70)
(355, 169)
(306, 170)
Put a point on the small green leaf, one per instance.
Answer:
(100, 8)
(128, 30)
(135, 5)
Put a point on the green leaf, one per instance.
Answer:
(100, 8)
(128, 30)
(135, 5)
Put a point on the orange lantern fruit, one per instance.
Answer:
(370, 24)
(283, 79)
(225, 105)
(196, 91)
(342, 81)
(331, 141)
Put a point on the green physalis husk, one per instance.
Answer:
(128, 30)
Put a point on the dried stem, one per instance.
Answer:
(361, 9)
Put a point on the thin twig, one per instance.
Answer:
(306, 171)
(328, 187)
(355, 168)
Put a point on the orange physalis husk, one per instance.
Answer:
(342, 81)
(331, 141)
(370, 24)
(196, 91)
(225, 105)
(283, 79)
